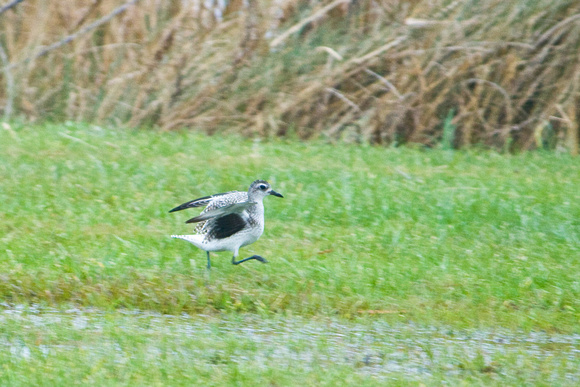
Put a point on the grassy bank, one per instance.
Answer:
(466, 239)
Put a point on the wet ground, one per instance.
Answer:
(371, 347)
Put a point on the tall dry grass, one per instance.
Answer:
(494, 72)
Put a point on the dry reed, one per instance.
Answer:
(500, 73)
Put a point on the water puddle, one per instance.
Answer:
(372, 347)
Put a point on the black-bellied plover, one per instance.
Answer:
(229, 221)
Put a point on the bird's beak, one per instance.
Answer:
(272, 192)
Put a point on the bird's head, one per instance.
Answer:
(260, 189)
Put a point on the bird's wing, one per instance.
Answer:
(220, 212)
(225, 226)
(204, 201)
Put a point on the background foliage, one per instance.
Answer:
(500, 73)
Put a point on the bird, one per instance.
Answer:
(229, 221)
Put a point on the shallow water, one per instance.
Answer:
(372, 347)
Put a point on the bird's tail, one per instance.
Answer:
(194, 239)
(188, 238)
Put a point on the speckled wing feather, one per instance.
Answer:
(235, 208)
(213, 202)
(204, 201)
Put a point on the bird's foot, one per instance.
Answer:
(256, 257)
(261, 259)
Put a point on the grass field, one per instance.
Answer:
(470, 241)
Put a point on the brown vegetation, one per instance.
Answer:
(493, 72)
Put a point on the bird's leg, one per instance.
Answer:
(256, 257)
(208, 261)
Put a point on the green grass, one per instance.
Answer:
(466, 239)
(418, 247)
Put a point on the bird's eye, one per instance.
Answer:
(262, 187)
